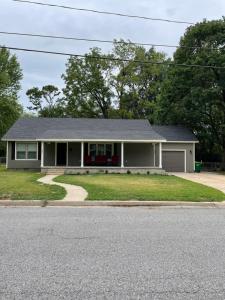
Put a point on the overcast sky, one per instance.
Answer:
(42, 69)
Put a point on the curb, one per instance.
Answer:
(60, 203)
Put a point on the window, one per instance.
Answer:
(101, 149)
(108, 150)
(21, 151)
(27, 151)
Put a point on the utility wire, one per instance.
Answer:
(102, 41)
(112, 58)
(104, 12)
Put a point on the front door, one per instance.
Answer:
(61, 154)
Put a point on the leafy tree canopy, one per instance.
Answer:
(46, 101)
(195, 97)
(10, 77)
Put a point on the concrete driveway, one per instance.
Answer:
(214, 180)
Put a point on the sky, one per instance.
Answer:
(42, 69)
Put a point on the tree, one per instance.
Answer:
(138, 83)
(10, 77)
(114, 87)
(88, 92)
(193, 96)
(46, 101)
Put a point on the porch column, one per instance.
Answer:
(55, 154)
(122, 155)
(154, 154)
(42, 154)
(193, 157)
(160, 155)
(67, 154)
(7, 154)
(82, 155)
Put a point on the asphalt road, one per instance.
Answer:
(112, 253)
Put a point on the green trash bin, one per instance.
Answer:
(198, 167)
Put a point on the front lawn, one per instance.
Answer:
(21, 185)
(142, 187)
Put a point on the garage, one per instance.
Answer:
(173, 161)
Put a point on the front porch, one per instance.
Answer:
(83, 157)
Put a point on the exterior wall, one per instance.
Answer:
(138, 155)
(74, 154)
(49, 154)
(189, 153)
(21, 164)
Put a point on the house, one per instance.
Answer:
(113, 145)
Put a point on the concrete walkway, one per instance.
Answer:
(74, 193)
(213, 180)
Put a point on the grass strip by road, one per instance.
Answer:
(23, 185)
(142, 187)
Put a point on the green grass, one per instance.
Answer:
(142, 187)
(21, 185)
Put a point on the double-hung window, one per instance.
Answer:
(101, 149)
(26, 151)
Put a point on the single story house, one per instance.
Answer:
(112, 145)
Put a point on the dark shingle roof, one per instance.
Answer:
(175, 133)
(68, 128)
(95, 129)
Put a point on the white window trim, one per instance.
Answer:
(26, 159)
(112, 144)
(179, 150)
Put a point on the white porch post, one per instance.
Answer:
(42, 154)
(154, 153)
(122, 155)
(67, 154)
(82, 155)
(160, 155)
(7, 154)
(193, 157)
(55, 154)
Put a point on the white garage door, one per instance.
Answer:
(173, 161)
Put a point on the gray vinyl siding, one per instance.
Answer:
(138, 155)
(74, 154)
(21, 164)
(189, 153)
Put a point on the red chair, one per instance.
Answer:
(101, 160)
(87, 160)
(115, 160)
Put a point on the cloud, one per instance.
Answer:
(40, 69)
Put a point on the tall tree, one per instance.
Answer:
(10, 77)
(88, 92)
(194, 96)
(46, 101)
(138, 80)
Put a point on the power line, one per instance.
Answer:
(105, 12)
(112, 58)
(102, 41)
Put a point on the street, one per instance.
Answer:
(112, 253)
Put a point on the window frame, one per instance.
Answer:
(26, 151)
(89, 144)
